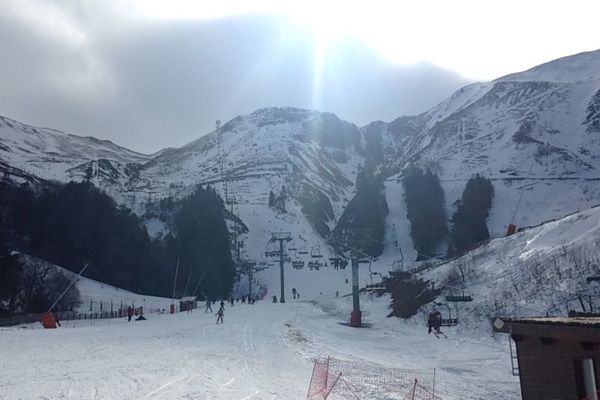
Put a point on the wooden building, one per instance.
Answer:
(187, 303)
(558, 357)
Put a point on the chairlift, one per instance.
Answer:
(448, 321)
(462, 298)
(303, 250)
(270, 250)
(315, 252)
(376, 286)
(338, 263)
(314, 265)
(292, 246)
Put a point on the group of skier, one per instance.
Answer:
(231, 301)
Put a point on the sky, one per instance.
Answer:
(149, 74)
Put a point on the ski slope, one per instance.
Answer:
(263, 351)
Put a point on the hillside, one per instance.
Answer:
(534, 134)
(532, 273)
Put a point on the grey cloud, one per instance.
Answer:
(148, 84)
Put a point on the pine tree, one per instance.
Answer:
(10, 275)
(202, 243)
(425, 209)
(469, 222)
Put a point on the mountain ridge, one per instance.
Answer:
(533, 133)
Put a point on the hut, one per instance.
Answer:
(187, 303)
(557, 356)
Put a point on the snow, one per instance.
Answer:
(95, 295)
(263, 351)
(532, 273)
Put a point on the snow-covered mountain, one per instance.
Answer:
(536, 134)
(52, 155)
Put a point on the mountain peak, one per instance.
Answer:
(579, 67)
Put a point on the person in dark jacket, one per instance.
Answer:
(220, 314)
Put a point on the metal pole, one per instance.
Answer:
(175, 281)
(249, 282)
(282, 297)
(69, 287)
(355, 318)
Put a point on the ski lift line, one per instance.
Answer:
(68, 287)
(352, 249)
(199, 282)
(493, 298)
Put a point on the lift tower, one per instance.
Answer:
(281, 237)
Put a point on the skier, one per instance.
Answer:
(434, 322)
(294, 292)
(274, 299)
(208, 306)
(222, 304)
(220, 314)
(129, 313)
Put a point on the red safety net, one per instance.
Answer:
(322, 380)
(338, 379)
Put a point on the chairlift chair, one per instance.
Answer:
(314, 265)
(462, 298)
(447, 319)
(292, 246)
(315, 252)
(298, 264)
(302, 250)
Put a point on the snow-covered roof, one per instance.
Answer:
(188, 298)
(565, 321)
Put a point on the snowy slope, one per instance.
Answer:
(261, 352)
(531, 273)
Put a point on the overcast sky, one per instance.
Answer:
(149, 74)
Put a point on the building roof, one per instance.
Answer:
(564, 328)
(589, 322)
(188, 298)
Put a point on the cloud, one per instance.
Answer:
(148, 83)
